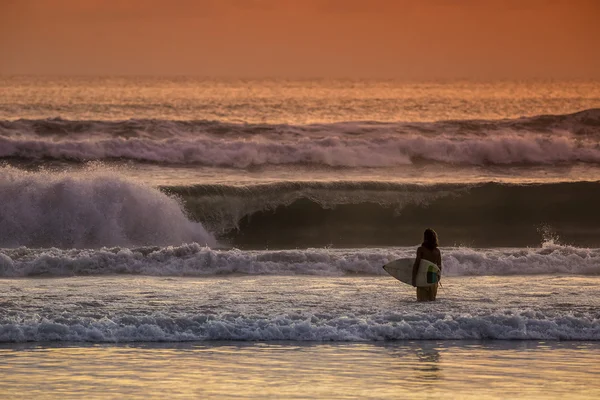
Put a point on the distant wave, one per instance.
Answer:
(533, 140)
(503, 324)
(196, 260)
(89, 209)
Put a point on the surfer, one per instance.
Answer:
(430, 252)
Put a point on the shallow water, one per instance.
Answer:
(297, 308)
(413, 369)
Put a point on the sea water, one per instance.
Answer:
(391, 370)
(187, 237)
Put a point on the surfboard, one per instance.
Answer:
(428, 274)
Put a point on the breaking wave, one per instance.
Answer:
(94, 208)
(344, 214)
(89, 209)
(539, 140)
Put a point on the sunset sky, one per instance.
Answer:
(406, 39)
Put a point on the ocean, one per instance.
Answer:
(185, 237)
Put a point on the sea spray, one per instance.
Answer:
(89, 209)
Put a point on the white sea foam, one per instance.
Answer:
(196, 260)
(502, 324)
(89, 209)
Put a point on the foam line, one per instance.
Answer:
(196, 260)
(501, 324)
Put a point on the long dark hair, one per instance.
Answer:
(430, 239)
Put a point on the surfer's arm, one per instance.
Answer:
(439, 263)
(416, 267)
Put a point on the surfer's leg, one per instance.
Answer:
(433, 292)
(422, 294)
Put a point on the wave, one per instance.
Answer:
(98, 207)
(416, 325)
(571, 138)
(196, 260)
(343, 214)
(226, 208)
(89, 209)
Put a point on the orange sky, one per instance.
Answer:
(407, 39)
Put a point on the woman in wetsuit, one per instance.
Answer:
(430, 252)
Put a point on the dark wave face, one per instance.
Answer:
(349, 214)
(541, 140)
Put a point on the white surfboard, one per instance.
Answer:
(428, 274)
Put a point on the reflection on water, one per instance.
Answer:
(419, 369)
(423, 357)
(429, 357)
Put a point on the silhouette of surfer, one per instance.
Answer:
(428, 251)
